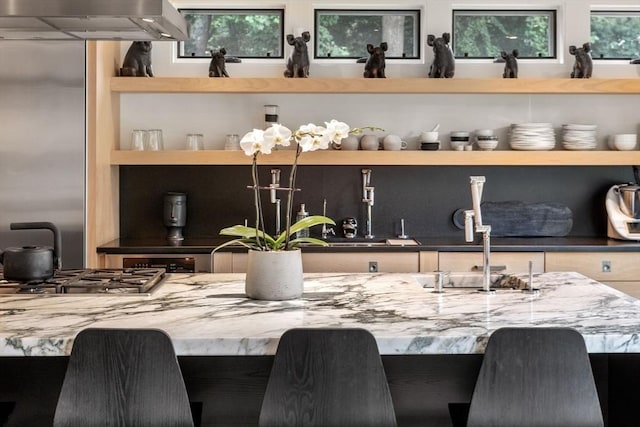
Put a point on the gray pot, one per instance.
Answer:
(32, 263)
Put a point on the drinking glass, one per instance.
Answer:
(195, 141)
(154, 142)
(138, 139)
(232, 142)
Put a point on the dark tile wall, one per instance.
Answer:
(425, 196)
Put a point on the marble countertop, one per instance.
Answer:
(208, 314)
(457, 243)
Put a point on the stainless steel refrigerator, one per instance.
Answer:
(42, 143)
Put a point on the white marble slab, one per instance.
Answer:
(208, 314)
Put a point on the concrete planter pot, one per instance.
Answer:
(274, 275)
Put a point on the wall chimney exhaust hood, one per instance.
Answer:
(139, 20)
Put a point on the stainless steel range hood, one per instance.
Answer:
(91, 20)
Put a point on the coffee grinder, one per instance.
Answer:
(175, 215)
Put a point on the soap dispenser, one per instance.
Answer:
(302, 214)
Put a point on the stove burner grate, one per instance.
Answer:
(92, 281)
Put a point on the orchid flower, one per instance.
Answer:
(254, 142)
(278, 135)
(337, 131)
(311, 138)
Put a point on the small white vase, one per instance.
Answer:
(274, 275)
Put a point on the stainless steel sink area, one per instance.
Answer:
(356, 244)
(470, 280)
(372, 243)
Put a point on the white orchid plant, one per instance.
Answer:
(308, 137)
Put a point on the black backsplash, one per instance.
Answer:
(425, 196)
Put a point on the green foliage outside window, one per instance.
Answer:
(346, 33)
(484, 34)
(615, 35)
(243, 33)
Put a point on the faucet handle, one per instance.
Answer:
(468, 226)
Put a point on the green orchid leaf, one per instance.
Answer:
(247, 243)
(307, 222)
(247, 233)
(311, 240)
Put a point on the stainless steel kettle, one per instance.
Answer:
(32, 263)
(629, 200)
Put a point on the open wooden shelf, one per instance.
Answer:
(403, 158)
(362, 85)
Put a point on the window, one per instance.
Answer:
(615, 35)
(485, 33)
(244, 33)
(346, 33)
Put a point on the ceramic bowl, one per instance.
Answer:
(484, 132)
(429, 136)
(624, 142)
(458, 145)
(487, 144)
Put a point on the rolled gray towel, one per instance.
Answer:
(523, 219)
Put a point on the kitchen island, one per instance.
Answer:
(431, 343)
(208, 314)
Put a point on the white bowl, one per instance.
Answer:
(429, 136)
(484, 132)
(458, 145)
(488, 144)
(624, 142)
(460, 133)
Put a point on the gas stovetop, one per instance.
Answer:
(106, 281)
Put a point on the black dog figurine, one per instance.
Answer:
(443, 65)
(298, 62)
(511, 64)
(217, 66)
(137, 61)
(374, 68)
(583, 66)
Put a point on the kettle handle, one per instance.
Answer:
(57, 240)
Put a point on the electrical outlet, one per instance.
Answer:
(606, 266)
(373, 266)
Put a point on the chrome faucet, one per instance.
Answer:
(275, 184)
(368, 198)
(474, 217)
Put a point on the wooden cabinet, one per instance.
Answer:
(617, 269)
(508, 262)
(202, 262)
(330, 262)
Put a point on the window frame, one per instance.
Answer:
(335, 59)
(553, 13)
(279, 11)
(610, 11)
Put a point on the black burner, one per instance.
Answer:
(94, 281)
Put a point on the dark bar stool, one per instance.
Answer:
(123, 377)
(535, 377)
(327, 377)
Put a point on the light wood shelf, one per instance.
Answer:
(381, 158)
(373, 86)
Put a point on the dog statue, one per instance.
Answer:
(137, 61)
(443, 65)
(374, 68)
(510, 64)
(298, 62)
(217, 66)
(583, 67)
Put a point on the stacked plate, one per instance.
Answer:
(579, 137)
(532, 136)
